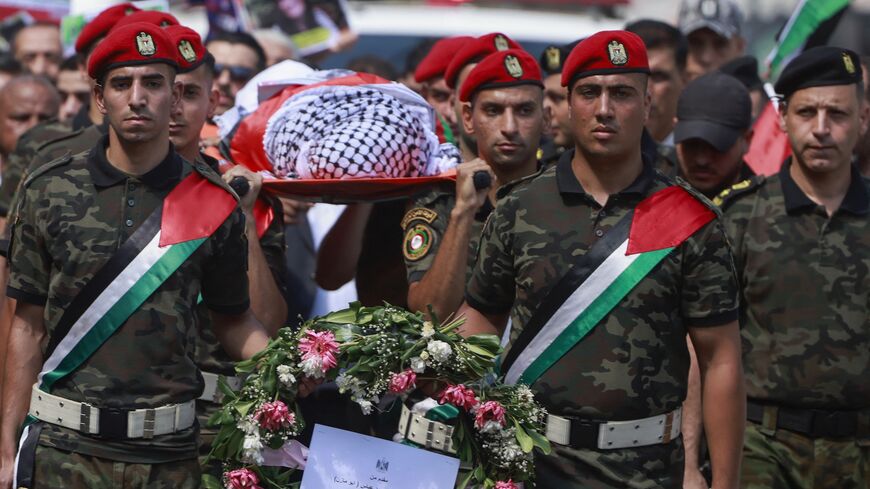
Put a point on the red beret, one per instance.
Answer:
(502, 69)
(100, 25)
(476, 50)
(191, 52)
(435, 63)
(156, 17)
(133, 44)
(605, 53)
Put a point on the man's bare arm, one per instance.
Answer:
(241, 335)
(723, 399)
(477, 322)
(443, 285)
(692, 426)
(23, 362)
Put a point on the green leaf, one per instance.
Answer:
(480, 351)
(243, 407)
(525, 441)
(465, 480)
(479, 474)
(540, 441)
(209, 481)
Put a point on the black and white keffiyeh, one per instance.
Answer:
(364, 131)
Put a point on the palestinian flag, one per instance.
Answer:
(810, 25)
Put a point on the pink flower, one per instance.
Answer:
(273, 416)
(509, 484)
(459, 396)
(403, 382)
(487, 412)
(241, 479)
(320, 348)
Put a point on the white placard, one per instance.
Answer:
(339, 459)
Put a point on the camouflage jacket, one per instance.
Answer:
(74, 214)
(634, 363)
(805, 284)
(209, 355)
(424, 226)
(28, 144)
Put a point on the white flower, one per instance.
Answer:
(418, 365)
(248, 426)
(347, 383)
(312, 366)
(440, 350)
(285, 376)
(365, 406)
(428, 329)
(424, 355)
(251, 447)
(491, 427)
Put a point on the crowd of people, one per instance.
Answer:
(685, 321)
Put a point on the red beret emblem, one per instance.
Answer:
(616, 52)
(501, 43)
(145, 44)
(513, 67)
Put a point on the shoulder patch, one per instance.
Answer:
(418, 241)
(508, 187)
(419, 214)
(729, 195)
(62, 137)
(42, 170)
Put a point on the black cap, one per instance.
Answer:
(745, 69)
(714, 107)
(819, 67)
(553, 58)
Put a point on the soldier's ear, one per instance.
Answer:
(97, 92)
(467, 117)
(213, 97)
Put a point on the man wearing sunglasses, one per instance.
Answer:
(238, 57)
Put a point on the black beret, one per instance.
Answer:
(745, 69)
(553, 58)
(819, 67)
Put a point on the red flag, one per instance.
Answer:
(665, 219)
(769, 146)
(183, 217)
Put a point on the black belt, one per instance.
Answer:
(814, 423)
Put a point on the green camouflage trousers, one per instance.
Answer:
(58, 468)
(650, 467)
(788, 460)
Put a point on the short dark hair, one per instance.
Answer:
(70, 63)
(417, 53)
(242, 38)
(374, 65)
(656, 34)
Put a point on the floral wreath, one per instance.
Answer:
(370, 352)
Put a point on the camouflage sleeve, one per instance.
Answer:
(709, 289)
(29, 261)
(423, 226)
(274, 247)
(491, 288)
(225, 274)
(13, 171)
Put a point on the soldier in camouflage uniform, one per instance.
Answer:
(265, 254)
(802, 248)
(556, 104)
(505, 114)
(68, 226)
(630, 370)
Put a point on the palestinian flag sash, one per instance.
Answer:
(601, 278)
(167, 238)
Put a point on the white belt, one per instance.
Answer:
(109, 422)
(212, 392)
(430, 434)
(621, 434)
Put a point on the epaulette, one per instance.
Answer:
(729, 195)
(432, 194)
(696, 194)
(212, 176)
(43, 169)
(60, 138)
(519, 182)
